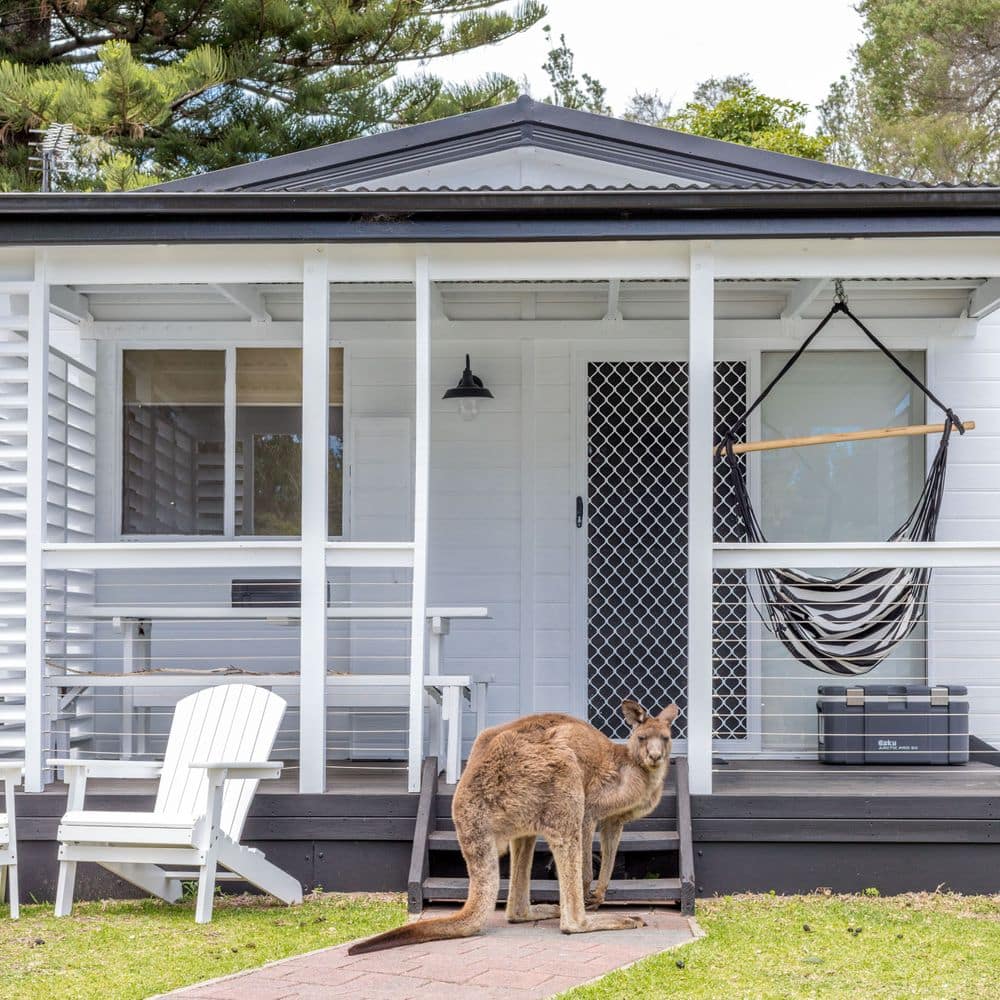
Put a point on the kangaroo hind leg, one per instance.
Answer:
(519, 908)
(573, 918)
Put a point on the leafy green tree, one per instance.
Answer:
(717, 88)
(736, 111)
(647, 108)
(922, 100)
(584, 92)
(172, 87)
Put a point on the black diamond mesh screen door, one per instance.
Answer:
(637, 546)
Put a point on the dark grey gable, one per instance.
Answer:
(526, 123)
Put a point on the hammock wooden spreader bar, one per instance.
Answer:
(877, 433)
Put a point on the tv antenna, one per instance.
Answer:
(53, 145)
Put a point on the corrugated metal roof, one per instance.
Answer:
(655, 188)
(527, 123)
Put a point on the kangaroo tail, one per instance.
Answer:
(484, 883)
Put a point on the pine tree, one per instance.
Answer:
(163, 88)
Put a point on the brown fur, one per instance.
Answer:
(558, 777)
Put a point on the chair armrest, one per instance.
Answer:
(109, 768)
(237, 770)
(11, 771)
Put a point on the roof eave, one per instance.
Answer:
(399, 216)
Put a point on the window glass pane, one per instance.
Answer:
(269, 441)
(174, 435)
(850, 491)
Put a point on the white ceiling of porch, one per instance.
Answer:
(939, 298)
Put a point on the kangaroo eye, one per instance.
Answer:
(642, 739)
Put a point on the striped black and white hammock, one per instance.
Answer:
(849, 624)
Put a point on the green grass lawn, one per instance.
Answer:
(845, 947)
(124, 950)
(768, 947)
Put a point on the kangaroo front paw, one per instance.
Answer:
(594, 899)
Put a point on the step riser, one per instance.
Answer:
(659, 843)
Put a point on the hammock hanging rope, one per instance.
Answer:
(849, 624)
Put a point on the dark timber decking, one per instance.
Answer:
(790, 826)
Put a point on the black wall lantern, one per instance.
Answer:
(468, 392)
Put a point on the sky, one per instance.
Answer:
(791, 48)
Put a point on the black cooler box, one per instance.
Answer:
(893, 724)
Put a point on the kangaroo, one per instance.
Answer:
(555, 776)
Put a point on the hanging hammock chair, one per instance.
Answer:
(849, 624)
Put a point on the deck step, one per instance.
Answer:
(624, 890)
(632, 841)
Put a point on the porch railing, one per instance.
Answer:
(764, 699)
(186, 585)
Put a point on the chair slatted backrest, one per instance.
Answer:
(237, 723)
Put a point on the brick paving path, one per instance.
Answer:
(508, 962)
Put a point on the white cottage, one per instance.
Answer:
(225, 450)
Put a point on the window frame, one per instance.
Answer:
(229, 348)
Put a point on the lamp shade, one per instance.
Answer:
(469, 386)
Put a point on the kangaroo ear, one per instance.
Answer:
(669, 713)
(634, 713)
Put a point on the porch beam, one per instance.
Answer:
(421, 510)
(985, 299)
(898, 257)
(289, 333)
(315, 459)
(903, 257)
(584, 261)
(36, 527)
(802, 296)
(701, 377)
(246, 297)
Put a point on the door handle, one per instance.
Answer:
(579, 512)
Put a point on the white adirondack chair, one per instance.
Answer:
(217, 751)
(10, 775)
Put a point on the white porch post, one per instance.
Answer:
(701, 376)
(421, 504)
(315, 456)
(36, 527)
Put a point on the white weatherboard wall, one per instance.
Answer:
(475, 496)
(964, 629)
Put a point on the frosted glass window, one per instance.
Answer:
(850, 491)
(174, 433)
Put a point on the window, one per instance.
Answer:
(855, 490)
(174, 436)
(176, 479)
(269, 441)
